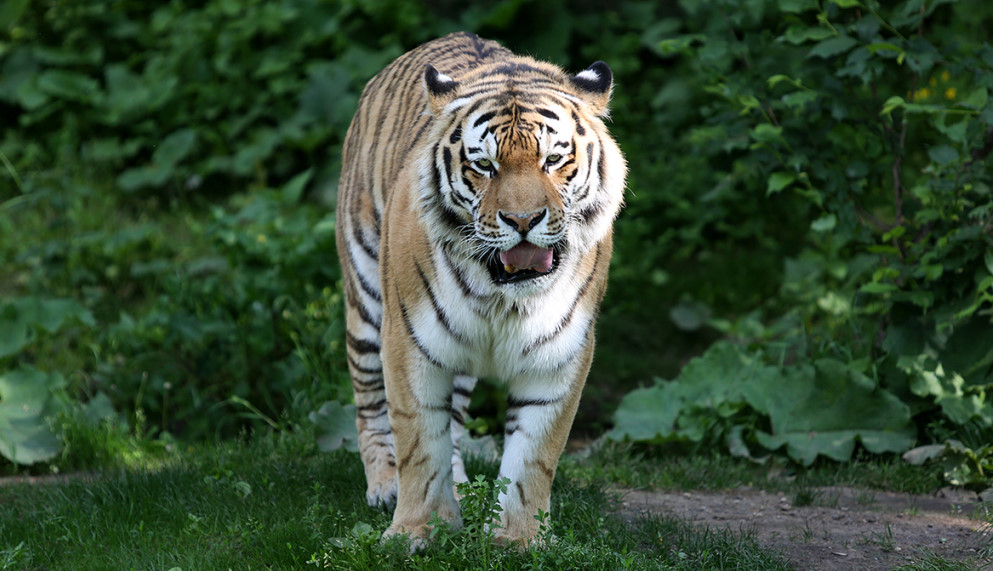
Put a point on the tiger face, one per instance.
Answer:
(520, 171)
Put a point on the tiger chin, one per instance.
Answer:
(474, 228)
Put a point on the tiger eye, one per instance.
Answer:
(484, 163)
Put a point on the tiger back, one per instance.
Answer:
(474, 223)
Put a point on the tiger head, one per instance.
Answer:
(522, 174)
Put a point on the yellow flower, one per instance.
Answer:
(950, 93)
(945, 76)
(262, 238)
(933, 82)
(922, 93)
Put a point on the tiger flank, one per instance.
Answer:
(475, 210)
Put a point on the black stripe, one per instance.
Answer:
(513, 402)
(459, 280)
(589, 171)
(363, 370)
(366, 287)
(355, 303)
(548, 113)
(483, 118)
(438, 312)
(416, 340)
(372, 406)
(361, 346)
(579, 126)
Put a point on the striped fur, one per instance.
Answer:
(460, 151)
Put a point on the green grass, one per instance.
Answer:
(275, 503)
(632, 466)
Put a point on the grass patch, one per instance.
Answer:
(274, 502)
(633, 466)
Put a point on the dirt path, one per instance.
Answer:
(842, 528)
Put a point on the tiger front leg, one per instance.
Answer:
(539, 417)
(420, 409)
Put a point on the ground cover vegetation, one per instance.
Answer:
(803, 272)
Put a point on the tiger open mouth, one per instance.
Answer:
(523, 262)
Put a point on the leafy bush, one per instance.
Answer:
(880, 118)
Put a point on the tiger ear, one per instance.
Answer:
(441, 88)
(594, 85)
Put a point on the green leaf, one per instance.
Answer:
(877, 287)
(894, 102)
(825, 223)
(976, 99)
(175, 147)
(832, 47)
(778, 181)
(801, 33)
(822, 410)
(26, 400)
(335, 425)
(988, 260)
(293, 189)
(68, 85)
(846, 3)
(683, 410)
(943, 154)
(21, 317)
(774, 80)
(766, 133)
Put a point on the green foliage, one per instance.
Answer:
(30, 396)
(730, 396)
(335, 427)
(878, 118)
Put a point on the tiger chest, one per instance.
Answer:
(501, 337)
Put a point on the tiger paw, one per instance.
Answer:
(382, 494)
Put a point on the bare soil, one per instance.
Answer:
(841, 528)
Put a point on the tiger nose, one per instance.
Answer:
(523, 222)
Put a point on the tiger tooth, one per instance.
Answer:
(509, 269)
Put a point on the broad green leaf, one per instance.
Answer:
(682, 410)
(988, 260)
(799, 34)
(766, 133)
(832, 47)
(778, 181)
(648, 415)
(943, 154)
(977, 98)
(884, 46)
(68, 85)
(798, 99)
(26, 400)
(175, 147)
(21, 317)
(293, 189)
(141, 177)
(824, 408)
(335, 425)
(825, 223)
(877, 287)
(776, 79)
(894, 102)
(846, 3)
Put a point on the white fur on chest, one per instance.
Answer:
(499, 334)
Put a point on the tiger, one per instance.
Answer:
(474, 223)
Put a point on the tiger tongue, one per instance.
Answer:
(527, 256)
